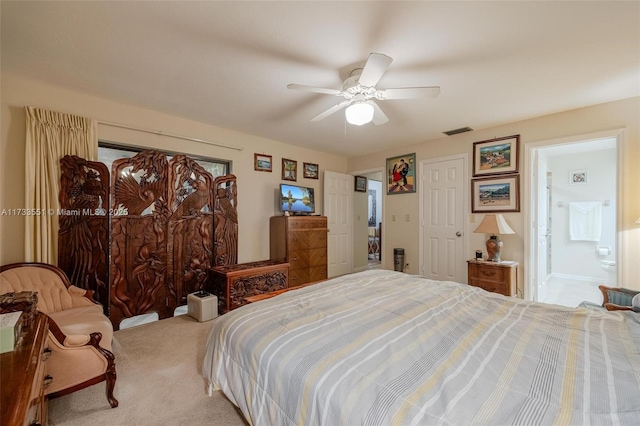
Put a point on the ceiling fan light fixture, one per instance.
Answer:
(359, 113)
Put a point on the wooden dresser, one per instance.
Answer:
(493, 276)
(22, 377)
(302, 242)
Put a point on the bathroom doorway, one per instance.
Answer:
(573, 212)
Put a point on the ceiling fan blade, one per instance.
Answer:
(330, 111)
(373, 70)
(409, 93)
(314, 89)
(379, 117)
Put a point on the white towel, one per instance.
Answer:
(585, 221)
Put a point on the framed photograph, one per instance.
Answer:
(496, 156)
(262, 163)
(361, 184)
(310, 170)
(578, 177)
(289, 169)
(401, 174)
(495, 194)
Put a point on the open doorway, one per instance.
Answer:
(374, 219)
(368, 208)
(573, 212)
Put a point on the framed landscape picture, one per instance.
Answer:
(262, 163)
(310, 170)
(401, 174)
(495, 194)
(289, 169)
(496, 156)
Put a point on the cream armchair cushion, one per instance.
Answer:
(69, 307)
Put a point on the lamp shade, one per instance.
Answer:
(638, 220)
(494, 224)
(359, 113)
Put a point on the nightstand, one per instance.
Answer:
(498, 277)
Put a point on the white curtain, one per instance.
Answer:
(50, 136)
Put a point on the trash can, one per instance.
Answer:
(398, 259)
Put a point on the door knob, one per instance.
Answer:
(458, 234)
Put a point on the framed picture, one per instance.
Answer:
(495, 194)
(310, 170)
(496, 156)
(578, 177)
(289, 169)
(262, 163)
(401, 174)
(361, 184)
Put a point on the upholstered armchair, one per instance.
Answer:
(617, 299)
(80, 334)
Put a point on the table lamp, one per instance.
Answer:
(494, 224)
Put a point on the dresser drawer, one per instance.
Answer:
(298, 259)
(490, 273)
(298, 277)
(317, 257)
(496, 277)
(493, 286)
(307, 223)
(317, 273)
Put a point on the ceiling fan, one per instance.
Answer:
(361, 94)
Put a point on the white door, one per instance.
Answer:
(541, 224)
(338, 202)
(443, 201)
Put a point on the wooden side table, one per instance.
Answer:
(498, 277)
(234, 283)
(22, 377)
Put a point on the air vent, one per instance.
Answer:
(456, 131)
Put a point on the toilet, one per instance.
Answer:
(609, 266)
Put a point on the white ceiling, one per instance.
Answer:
(228, 63)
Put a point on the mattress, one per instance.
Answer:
(381, 348)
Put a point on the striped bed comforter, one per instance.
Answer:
(386, 348)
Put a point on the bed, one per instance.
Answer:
(381, 348)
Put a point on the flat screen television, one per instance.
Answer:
(297, 199)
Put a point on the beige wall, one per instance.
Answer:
(256, 190)
(624, 114)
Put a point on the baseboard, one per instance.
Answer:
(360, 269)
(578, 278)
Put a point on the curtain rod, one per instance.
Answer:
(161, 133)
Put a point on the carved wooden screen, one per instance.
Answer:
(225, 221)
(139, 236)
(190, 228)
(83, 237)
(151, 243)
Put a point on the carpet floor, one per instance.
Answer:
(159, 382)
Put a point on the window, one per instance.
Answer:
(108, 153)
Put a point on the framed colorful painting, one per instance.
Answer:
(401, 174)
(495, 194)
(496, 156)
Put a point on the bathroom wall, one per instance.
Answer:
(579, 258)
